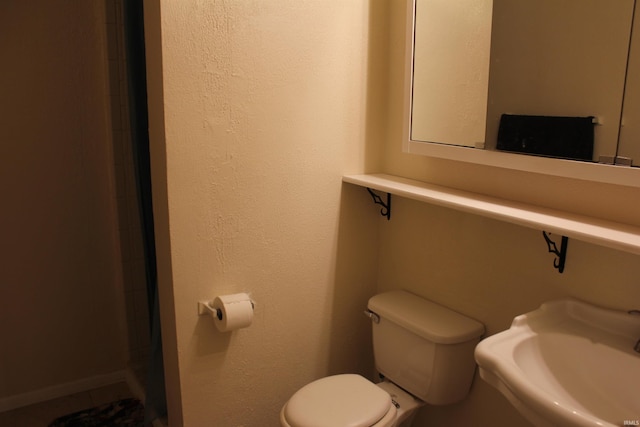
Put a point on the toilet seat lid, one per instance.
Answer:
(339, 400)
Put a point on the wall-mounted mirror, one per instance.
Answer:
(529, 58)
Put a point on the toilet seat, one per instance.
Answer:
(339, 400)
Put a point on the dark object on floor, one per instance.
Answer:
(125, 412)
(564, 137)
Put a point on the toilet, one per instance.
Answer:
(423, 353)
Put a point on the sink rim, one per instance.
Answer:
(498, 365)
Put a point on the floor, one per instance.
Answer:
(41, 414)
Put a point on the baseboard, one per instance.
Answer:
(60, 390)
(158, 422)
(137, 389)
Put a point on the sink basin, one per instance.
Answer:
(567, 364)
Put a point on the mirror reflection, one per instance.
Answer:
(525, 58)
(629, 144)
(450, 93)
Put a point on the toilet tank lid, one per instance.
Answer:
(425, 318)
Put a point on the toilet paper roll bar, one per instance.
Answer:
(205, 307)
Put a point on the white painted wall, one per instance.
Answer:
(265, 106)
(257, 109)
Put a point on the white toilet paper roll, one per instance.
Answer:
(234, 312)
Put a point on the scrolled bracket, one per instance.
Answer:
(561, 255)
(386, 207)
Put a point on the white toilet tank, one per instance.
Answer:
(423, 347)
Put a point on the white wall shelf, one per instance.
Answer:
(623, 237)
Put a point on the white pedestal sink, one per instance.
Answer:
(567, 364)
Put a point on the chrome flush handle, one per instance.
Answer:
(373, 316)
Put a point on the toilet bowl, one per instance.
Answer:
(348, 400)
(423, 352)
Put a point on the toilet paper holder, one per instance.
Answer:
(205, 308)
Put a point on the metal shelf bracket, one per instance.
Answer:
(561, 255)
(386, 207)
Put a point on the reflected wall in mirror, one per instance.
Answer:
(547, 58)
(560, 58)
(451, 71)
(629, 145)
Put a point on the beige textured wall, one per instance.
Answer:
(490, 270)
(60, 310)
(258, 109)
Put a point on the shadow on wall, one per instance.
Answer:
(356, 276)
(356, 271)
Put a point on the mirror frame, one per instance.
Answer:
(605, 173)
